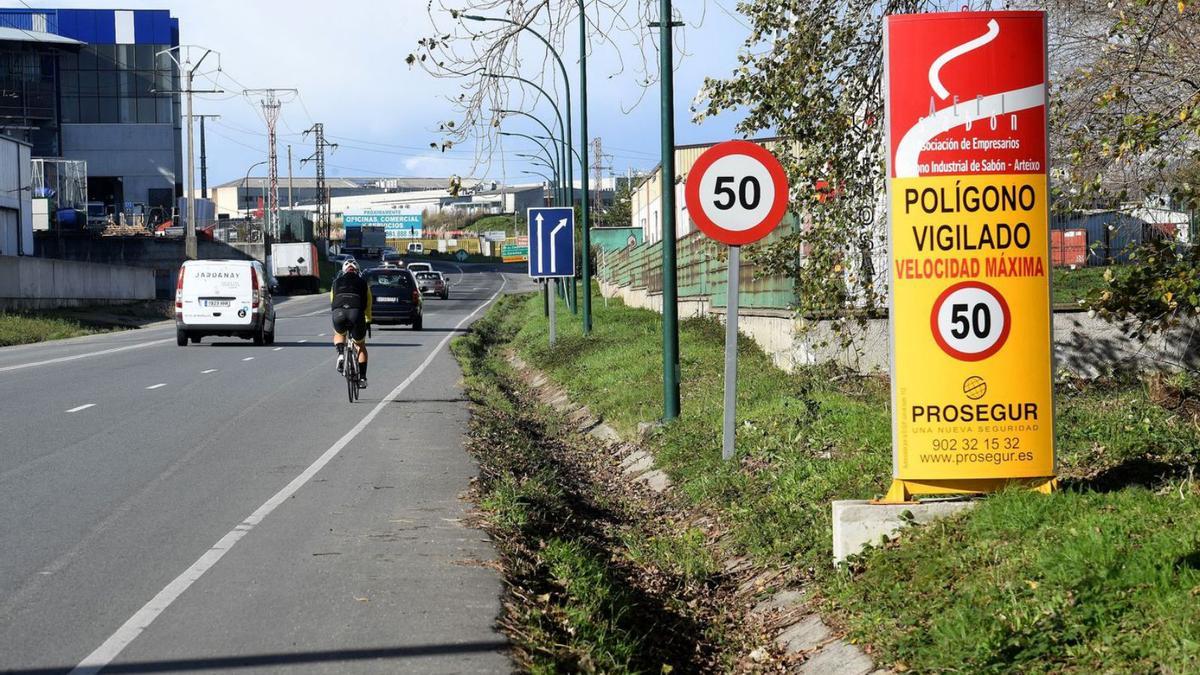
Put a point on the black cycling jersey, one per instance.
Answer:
(350, 291)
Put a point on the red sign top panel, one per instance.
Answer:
(966, 93)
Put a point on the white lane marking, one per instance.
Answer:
(320, 335)
(210, 370)
(157, 386)
(248, 358)
(301, 316)
(85, 406)
(141, 620)
(277, 349)
(64, 359)
(301, 341)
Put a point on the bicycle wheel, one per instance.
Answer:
(351, 371)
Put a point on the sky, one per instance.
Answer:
(346, 59)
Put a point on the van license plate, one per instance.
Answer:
(387, 299)
(216, 303)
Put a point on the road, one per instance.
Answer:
(223, 506)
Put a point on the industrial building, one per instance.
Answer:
(83, 85)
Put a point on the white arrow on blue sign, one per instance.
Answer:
(551, 242)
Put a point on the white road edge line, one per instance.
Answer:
(210, 370)
(277, 349)
(141, 620)
(248, 358)
(63, 359)
(85, 406)
(301, 341)
(157, 386)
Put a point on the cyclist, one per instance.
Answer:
(351, 301)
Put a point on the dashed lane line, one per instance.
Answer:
(85, 406)
(111, 648)
(64, 359)
(160, 385)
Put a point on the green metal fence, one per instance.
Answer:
(701, 273)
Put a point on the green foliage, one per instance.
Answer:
(24, 328)
(1075, 582)
(620, 214)
(1101, 577)
(1158, 289)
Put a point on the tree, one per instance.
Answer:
(1124, 123)
(621, 212)
(811, 73)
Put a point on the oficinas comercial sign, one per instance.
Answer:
(972, 390)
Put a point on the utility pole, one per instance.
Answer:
(190, 247)
(204, 156)
(598, 167)
(271, 105)
(290, 184)
(323, 215)
(666, 51)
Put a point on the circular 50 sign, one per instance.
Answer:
(736, 192)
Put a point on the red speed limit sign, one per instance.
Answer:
(736, 192)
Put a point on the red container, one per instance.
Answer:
(1068, 248)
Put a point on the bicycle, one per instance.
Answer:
(350, 369)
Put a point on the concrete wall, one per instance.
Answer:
(1084, 346)
(160, 254)
(38, 283)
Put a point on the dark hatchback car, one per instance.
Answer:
(396, 298)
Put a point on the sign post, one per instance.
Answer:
(737, 193)
(551, 250)
(972, 389)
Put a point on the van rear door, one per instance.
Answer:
(218, 293)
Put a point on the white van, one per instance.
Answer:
(416, 248)
(223, 297)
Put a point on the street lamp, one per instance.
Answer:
(583, 168)
(246, 185)
(541, 175)
(541, 145)
(565, 160)
(561, 67)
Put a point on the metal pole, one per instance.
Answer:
(545, 298)
(731, 336)
(553, 312)
(670, 309)
(583, 145)
(203, 161)
(290, 184)
(190, 248)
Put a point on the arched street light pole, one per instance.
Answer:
(550, 155)
(562, 131)
(570, 171)
(564, 161)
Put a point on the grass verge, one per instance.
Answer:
(28, 327)
(600, 577)
(1102, 577)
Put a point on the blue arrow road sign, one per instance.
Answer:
(551, 242)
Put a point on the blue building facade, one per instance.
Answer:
(91, 80)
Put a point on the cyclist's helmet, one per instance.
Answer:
(350, 266)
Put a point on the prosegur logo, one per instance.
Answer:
(975, 388)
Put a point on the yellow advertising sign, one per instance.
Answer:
(971, 324)
(972, 394)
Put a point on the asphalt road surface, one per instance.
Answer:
(223, 506)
